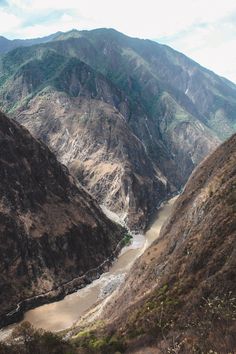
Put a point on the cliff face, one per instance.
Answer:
(52, 231)
(109, 105)
(181, 292)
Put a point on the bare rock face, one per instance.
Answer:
(54, 237)
(94, 140)
(181, 292)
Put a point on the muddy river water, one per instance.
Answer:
(63, 314)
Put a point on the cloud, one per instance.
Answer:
(213, 45)
(62, 21)
(149, 18)
(199, 28)
(9, 22)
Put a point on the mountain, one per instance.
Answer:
(7, 45)
(54, 237)
(130, 118)
(179, 296)
(155, 68)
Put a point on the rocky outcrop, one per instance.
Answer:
(53, 235)
(181, 292)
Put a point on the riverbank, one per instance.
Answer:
(123, 265)
(60, 292)
(56, 316)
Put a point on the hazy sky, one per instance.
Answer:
(205, 30)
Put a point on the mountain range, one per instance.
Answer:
(130, 118)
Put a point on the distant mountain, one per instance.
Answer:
(180, 294)
(130, 118)
(6, 44)
(54, 237)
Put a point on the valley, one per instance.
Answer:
(98, 132)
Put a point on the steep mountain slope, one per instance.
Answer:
(180, 295)
(101, 151)
(90, 135)
(144, 68)
(167, 108)
(54, 237)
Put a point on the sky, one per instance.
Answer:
(205, 30)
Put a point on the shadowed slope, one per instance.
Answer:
(52, 231)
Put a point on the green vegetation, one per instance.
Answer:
(98, 344)
(155, 317)
(127, 239)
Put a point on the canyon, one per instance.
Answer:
(101, 130)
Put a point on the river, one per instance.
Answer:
(63, 314)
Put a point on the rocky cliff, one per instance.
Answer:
(130, 118)
(53, 235)
(180, 295)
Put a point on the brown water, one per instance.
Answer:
(63, 314)
(162, 215)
